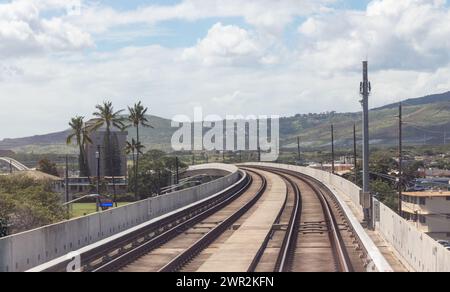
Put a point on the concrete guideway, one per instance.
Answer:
(379, 262)
(395, 245)
(16, 164)
(299, 229)
(237, 223)
(256, 242)
(239, 251)
(178, 250)
(25, 251)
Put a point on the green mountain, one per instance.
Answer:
(426, 121)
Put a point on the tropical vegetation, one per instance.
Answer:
(137, 117)
(80, 133)
(26, 203)
(106, 117)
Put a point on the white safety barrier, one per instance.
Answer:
(415, 249)
(29, 249)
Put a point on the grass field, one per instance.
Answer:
(83, 209)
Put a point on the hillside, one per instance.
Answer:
(157, 138)
(426, 121)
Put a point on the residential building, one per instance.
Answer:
(429, 212)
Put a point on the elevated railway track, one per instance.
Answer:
(271, 220)
(308, 233)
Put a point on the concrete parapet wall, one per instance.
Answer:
(332, 182)
(26, 250)
(337, 182)
(415, 249)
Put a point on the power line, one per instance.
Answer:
(420, 128)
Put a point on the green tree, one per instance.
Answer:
(81, 135)
(132, 148)
(410, 172)
(154, 173)
(137, 117)
(385, 193)
(27, 204)
(3, 227)
(108, 118)
(48, 167)
(382, 162)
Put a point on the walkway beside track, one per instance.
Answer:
(239, 251)
(384, 249)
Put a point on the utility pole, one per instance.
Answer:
(259, 145)
(177, 165)
(193, 159)
(298, 149)
(400, 159)
(114, 181)
(97, 155)
(66, 180)
(355, 154)
(365, 90)
(332, 150)
(159, 182)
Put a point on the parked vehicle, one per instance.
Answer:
(444, 243)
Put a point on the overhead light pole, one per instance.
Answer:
(400, 158)
(177, 166)
(333, 170)
(66, 179)
(365, 90)
(355, 154)
(97, 156)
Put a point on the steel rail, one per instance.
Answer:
(284, 259)
(263, 246)
(137, 252)
(97, 255)
(187, 255)
(338, 245)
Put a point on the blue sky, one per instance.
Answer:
(181, 33)
(227, 56)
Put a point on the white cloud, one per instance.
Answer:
(270, 16)
(24, 31)
(248, 71)
(225, 45)
(393, 34)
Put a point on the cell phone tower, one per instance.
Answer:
(365, 90)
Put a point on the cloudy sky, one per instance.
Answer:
(228, 56)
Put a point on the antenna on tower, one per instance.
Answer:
(365, 90)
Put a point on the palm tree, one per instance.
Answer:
(81, 134)
(107, 117)
(137, 117)
(130, 148)
(133, 148)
